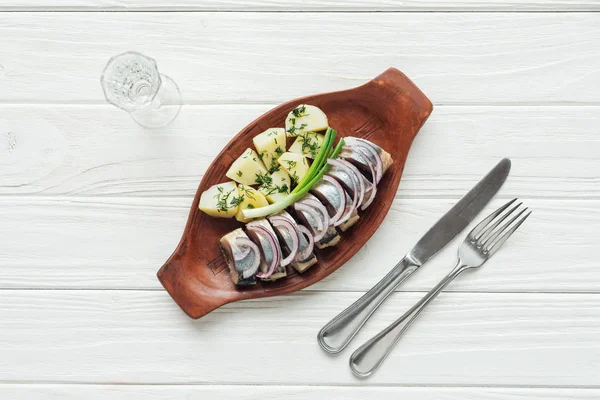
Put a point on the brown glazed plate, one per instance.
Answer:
(388, 110)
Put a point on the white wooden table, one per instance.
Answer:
(91, 204)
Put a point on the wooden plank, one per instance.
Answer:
(141, 337)
(120, 244)
(305, 6)
(459, 58)
(239, 392)
(100, 151)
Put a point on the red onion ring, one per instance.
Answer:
(279, 222)
(344, 168)
(348, 210)
(274, 245)
(249, 244)
(340, 211)
(311, 243)
(321, 208)
(370, 144)
(321, 227)
(359, 180)
(363, 150)
(243, 252)
(373, 185)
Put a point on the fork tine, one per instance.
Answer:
(480, 226)
(489, 230)
(506, 235)
(487, 243)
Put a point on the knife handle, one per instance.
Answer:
(338, 332)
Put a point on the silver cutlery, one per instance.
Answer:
(336, 334)
(479, 245)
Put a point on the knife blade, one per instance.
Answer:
(338, 333)
(461, 214)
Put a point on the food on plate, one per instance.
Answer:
(247, 169)
(305, 118)
(262, 234)
(276, 187)
(296, 239)
(249, 198)
(242, 257)
(308, 144)
(339, 204)
(316, 170)
(296, 200)
(296, 165)
(221, 200)
(270, 145)
(314, 215)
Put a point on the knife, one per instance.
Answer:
(336, 335)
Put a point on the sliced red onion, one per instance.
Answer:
(340, 211)
(370, 144)
(321, 208)
(243, 252)
(311, 242)
(363, 150)
(359, 180)
(321, 226)
(248, 244)
(348, 210)
(261, 230)
(279, 222)
(373, 185)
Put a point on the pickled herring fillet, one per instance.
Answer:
(266, 248)
(238, 265)
(331, 237)
(300, 263)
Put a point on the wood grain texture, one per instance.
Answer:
(99, 151)
(309, 5)
(142, 337)
(241, 392)
(99, 243)
(460, 58)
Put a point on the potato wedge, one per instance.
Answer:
(294, 164)
(251, 198)
(305, 118)
(308, 143)
(270, 145)
(278, 187)
(246, 168)
(221, 200)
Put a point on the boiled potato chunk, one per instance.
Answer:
(308, 144)
(221, 200)
(305, 118)
(295, 165)
(251, 198)
(270, 145)
(246, 168)
(278, 187)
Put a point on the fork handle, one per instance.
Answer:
(370, 355)
(338, 332)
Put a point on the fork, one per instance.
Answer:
(479, 245)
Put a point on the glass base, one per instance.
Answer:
(163, 109)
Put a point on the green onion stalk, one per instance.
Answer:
(314, 174)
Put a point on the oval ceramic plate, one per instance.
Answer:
(388, 110)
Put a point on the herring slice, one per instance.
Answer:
(300, 263)
(241, 260)
(269, 252)
(331, 237)
(362, 159)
